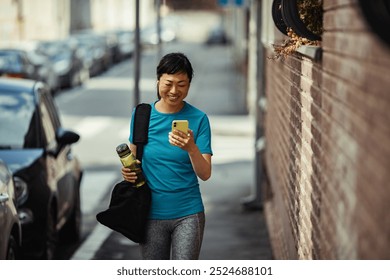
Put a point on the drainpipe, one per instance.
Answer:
(158, 22)
(137, 55)
(255, 200)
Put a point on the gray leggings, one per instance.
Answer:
(184, 235)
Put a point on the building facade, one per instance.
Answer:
(23, 20)
(322, 112)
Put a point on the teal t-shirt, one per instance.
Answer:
(168, 169)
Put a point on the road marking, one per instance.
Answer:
(118, 83)
(94, 186)
(94, 241)
(91, 126)
(232, 138)
(232, 149)
(124, 133)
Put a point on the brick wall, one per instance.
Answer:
(328, 145)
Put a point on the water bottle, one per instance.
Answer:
(128, 160)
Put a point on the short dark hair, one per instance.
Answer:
(173, 63)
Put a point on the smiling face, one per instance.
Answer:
(173, 88)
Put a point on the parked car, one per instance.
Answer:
(10, 228)
(43, 68)
(38, 150)
(217, 36)
(16, 65)
(126, 44)
(112, 44)
(70, 67)
(95, 50)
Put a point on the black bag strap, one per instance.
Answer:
(141, 127)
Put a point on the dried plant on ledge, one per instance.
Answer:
(311, 14)
(290, 45)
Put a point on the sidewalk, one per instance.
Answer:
(231, 231)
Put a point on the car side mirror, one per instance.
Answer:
(63, 138)
(66, 137)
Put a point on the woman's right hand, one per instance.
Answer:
(128, 175)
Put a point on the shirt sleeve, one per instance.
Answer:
(203, 140)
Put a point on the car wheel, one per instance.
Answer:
(12, 250)
(72, 229)
(51, 236)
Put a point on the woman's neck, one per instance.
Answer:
(163, 107)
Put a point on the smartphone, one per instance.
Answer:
(181, 125)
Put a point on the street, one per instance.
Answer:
(100, 112)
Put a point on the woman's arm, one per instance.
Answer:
(200, 162)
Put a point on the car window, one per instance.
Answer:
(10, 62)
(16, 117)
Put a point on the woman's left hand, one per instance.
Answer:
(182, 140)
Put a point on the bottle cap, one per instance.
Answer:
(123, 150)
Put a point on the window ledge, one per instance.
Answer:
(313, 52)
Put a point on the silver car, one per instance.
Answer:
(10, 229)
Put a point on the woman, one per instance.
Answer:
(172, 161)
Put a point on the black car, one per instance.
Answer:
(95, 50)
(10, 228)
(70, 67)
(126, 43)
(217, 36)
(38, 151)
